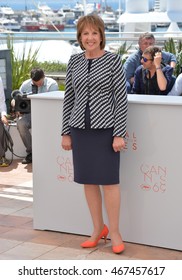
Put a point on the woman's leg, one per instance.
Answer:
(112, 203)
(94, 201)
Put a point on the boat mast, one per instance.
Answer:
(26, 5)
(104, 5)
(119, 17)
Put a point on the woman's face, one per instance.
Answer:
(91, 39)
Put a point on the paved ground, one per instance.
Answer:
(19, 241)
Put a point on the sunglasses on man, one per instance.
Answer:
(146, 59)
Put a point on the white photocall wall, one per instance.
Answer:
(150, 173)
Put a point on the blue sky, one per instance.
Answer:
(49, 2)
(56, 4)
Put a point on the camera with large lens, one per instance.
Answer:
(20, 102)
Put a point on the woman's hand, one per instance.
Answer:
(118, 144)
(66, 142)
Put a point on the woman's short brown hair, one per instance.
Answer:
(95, 22)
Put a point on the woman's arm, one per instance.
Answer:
(121, 102)
(69, 98)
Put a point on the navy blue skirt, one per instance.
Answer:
(94, 159)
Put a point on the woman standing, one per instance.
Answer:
(94, 126)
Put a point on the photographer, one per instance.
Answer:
(37, 83)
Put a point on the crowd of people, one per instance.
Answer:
(136, 59)
(150, 70)
(95, 115)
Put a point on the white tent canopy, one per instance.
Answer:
(152, 17)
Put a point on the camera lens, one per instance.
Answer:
(23, 105)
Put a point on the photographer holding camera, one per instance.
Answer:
(37, 83)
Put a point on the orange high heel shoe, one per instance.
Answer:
(91, 244)
(118, 249)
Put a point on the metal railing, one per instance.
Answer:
(71, 36)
